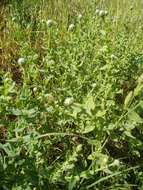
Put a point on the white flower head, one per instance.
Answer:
(51, 62)
(13, 18)
(49, 23)
(113, 56)
(80, 16)
(105, 13)
(101, 13)
(35, 89)
(71, 27)
(116, 162)
(97, 11)
(94, 85)
(21, 60)
(68, 101)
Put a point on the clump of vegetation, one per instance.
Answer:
(71, 95)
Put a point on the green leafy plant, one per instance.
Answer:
(71, 95)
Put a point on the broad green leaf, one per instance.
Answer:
(89, 104)
(138, 89)
(133, 116)
(128, 99)
(76, 109)
(88, 128)
(141, 104)
(73, 182)
(101, 113)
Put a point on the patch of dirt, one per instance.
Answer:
(3, 134)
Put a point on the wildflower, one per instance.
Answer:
(97, 11)
(49, 23)
(50, 98)
(35, 89)
(116, 162)
(49, 109)
(80, 16)
(94, 85)
(51, 62)
(113, 56)
(21, 60)
(71, 27)
(14, 19)
(105, 13)
(68, 101)
(101, 13)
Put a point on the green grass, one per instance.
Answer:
(71, 95)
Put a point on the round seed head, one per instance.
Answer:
(113, 56)
(94, 85)
(80, 16)
(97, 11)
(49, 23)
(71, 27)
(21, 60)
(101, 13)
(68, 101)
(116, 162)
(35, 89)
(13, 18)
(105, 13)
